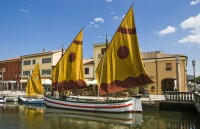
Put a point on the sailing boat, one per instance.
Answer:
(34, 88)
(123, 50)
(2, 99)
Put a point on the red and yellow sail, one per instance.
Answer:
(68, 72)
(121, 67)
(34, 84)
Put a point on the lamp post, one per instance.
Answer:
(193, 64)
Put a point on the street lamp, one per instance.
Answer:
(193, 64)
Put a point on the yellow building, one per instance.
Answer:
(46, 61)
(167, 71)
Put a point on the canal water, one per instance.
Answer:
(19, 116)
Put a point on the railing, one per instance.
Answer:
(183, 97)
(179, 96)
(180, 125)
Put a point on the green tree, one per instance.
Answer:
(197, 79)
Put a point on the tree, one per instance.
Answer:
(197, 79)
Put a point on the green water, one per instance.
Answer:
(19, 116)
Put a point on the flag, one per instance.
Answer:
(121, 67)
(34, 84)
(68, 72)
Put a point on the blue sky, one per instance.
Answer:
(28, 26)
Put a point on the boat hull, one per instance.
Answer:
(130, 105)
(2, 99)
(11, 99)
(31, 100)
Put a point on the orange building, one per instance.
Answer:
(167, 71)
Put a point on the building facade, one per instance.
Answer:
(88, 66)
(46, 61)
(167, 71)
(10, 73)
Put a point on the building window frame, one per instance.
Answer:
(46, 72)
(33, 62)
(168, 66)
(46, 60)
(26, 73)
(87, 70)
(27, 62)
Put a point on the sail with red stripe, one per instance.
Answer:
(121, 67)
(68, 72)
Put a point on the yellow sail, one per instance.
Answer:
(121, 67)
(34, 84)
(68, 72)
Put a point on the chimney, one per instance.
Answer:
(43, 50)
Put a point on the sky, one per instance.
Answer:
(29, 26)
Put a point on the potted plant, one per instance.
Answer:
(152, 88)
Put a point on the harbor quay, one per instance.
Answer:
(176, 101)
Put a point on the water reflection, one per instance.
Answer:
(19, 116)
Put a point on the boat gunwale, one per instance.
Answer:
(88, 101)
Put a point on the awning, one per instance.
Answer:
(93, 82)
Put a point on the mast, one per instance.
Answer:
(102, 67)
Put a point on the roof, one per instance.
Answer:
(158, 55)
(88, 61)
(42, 53)
(11, 59)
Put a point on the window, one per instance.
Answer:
(168, 66)
(27, 62)
(46, 72)
(103, 50)
(26, 73)
(33, 61)
(86, 70)
(46, 60)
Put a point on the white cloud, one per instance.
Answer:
(108, 0)
(195, 2)
(191, 39)
(98, 36)
(115, 18)
(166, 31)
(99, 19)
(24, 11)
(192, 26)
(191, 22)
(94, 23)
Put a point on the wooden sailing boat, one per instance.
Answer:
(34, 88)
(121, 68)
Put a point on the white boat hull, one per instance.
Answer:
(2, 99)
(130, 105)
(32, 100)
(11, 99)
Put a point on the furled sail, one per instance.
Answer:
(34, 84)
(68, 72)
(121, 67)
